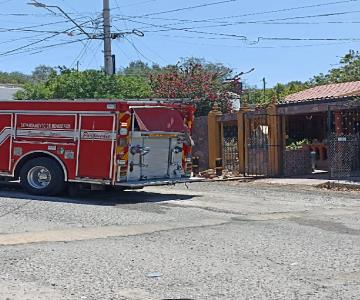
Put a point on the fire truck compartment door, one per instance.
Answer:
(96, 146)
(155, 157)
(155, 149)
(5, 141)
(160, 119)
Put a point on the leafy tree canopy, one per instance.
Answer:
(70, 84)
(197, 80)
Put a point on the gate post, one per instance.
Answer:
(214, 136)
(275, 140)
(241, 139)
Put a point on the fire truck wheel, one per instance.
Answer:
(42, 176)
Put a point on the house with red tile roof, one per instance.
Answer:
(326, 92)
(326, 115)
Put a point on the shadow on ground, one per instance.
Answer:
(101, 198)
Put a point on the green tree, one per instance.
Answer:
(70, 84)
(42, 73)
(138, 68)
(14, 78)
(348, 70)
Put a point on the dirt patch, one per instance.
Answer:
(340, 187)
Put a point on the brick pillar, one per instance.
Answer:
(214, 136)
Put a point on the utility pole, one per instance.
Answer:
(107, 36)
(108, 59)
(264, 88)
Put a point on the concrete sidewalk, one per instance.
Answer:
(293, 181)
(352, 183)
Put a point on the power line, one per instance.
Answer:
(24, 15)
(245, 38)
(20, 39)
(166, 26)
(139, 52)
(133, 4)
(28, 45)
(244, 15)
(256, 47)
(35, 42)
(52, 23)
(82, 52)
(32, 30)
(36, 50)
(94, 55)
(186, 8)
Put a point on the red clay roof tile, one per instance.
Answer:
(328, 91)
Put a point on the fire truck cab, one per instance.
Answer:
(128, 144)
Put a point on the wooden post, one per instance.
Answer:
(338, 124)
(214, 136)
(276, 140)
(241, 118)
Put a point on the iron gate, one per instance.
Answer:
(230, 151)
(264, 149)
(257, 144)
(344, 141)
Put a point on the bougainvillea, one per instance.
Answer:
(193, 81)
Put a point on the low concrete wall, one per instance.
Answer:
(200, 137)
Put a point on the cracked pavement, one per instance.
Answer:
(225, 240)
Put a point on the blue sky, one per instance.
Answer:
(230, 39)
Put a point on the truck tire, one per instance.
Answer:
(42, 176)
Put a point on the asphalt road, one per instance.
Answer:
(211, 241)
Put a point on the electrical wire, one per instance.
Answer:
(35, 42)
(186, 8)
(217, 20)
(83, 51)
(133, 4)
(139, 52)
(40, 49)
(21, 39)
(252, 14)
(166, 26)
(51, 23)
(254, 47)
(242, 37)
(81, 54)
(94, 55)
(28, 45)
(31, 30)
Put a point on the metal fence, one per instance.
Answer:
(344, 141)
(251, 149)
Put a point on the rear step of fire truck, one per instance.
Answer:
(159, 182)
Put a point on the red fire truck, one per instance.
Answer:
(129, 144)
